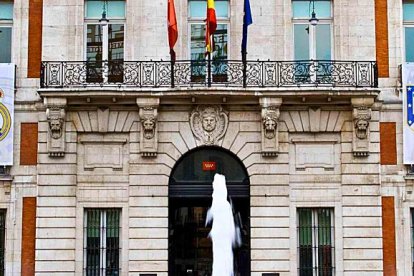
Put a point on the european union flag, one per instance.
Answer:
(247, 20)
(410, 108)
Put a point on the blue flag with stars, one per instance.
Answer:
(410, 108)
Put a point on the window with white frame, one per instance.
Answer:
(315, 230)
(408, 22)
(197, 10)
(312, 42)
(104, 26)
(6, 27)
(102, 242)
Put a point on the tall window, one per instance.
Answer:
(312, 42)
(6, 24)
(105, 40)
(315, 241)
(197, 14)
(408, 20)
(2, 240)
(101, 242)
(412, 240)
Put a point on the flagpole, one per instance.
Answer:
(209, 69)
(172, 60)
(244, 60)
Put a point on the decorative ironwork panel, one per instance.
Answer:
(220, 73)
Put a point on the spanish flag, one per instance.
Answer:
(211, 25)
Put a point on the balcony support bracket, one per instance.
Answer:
(269, 127)
(148, 114)
(361, 115)
(56, 117)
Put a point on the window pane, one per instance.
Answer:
(5, 42)
(197, 43)
(94, 43)
(93, 223)
(303, 9)
(324, 241)
(301, 36)
(116, 41)
(305, 242)
(220, 42)
(94, 53)
(6, 10)
(198, 9)
(112, 242)
(409, 42)
(408, 10)
(323, 41)
(116, 9)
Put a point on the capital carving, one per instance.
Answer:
(361, 116)
(148, 114)
(270, 120)
(209, 123)
(55, 114)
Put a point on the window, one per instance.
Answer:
(312, 42)
(6, 24)
(408, 21)
(197, 15)
(2, 240)
(315, 241)
(101, 242)
(105, 40)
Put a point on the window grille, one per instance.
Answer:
(102, 242)
(316, 242)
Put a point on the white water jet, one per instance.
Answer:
(223, 232)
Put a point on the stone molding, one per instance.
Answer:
(269, 126)
(56, 117)
(361, 116)
(209, 123)
(148, 114)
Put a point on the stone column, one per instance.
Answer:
(270, 117)
(148, 113)
(55, 114)
(361, 116)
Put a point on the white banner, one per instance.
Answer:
(408, 113)
(6, 113)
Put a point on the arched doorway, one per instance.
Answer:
(190, 189)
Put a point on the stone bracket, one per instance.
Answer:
(361, 116)
(269, 126)
(56, 117)
(148, 114)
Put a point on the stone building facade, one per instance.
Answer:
(317, 175)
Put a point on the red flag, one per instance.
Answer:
(172, 28)
(211, 24)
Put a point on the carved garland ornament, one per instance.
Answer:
(209, 123)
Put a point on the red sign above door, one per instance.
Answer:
(209, 166)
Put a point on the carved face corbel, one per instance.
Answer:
(270, 118)
(149, 136)
(361, 118)
(56, 139)
(148, 126)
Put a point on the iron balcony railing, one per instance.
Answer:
(217, 73)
